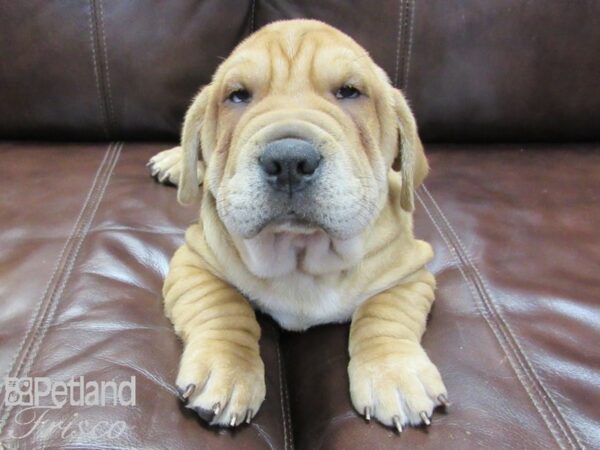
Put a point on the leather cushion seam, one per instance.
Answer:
(287, 438)
(408, 27)
(404, 39)
(398, 41)
(35, 317)
(108, 89)
(500, 327)
(27, 352)
(97, 77)
(100, 61)
(253, 17)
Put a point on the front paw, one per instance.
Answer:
(397, 385)
(167, 165)
(223, 386)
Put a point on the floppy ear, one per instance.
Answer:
(410, 160)
(190, 145)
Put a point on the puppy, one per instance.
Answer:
(308, 159)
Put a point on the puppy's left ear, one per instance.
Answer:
(410, 160)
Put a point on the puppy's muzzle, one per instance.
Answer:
(290, 165)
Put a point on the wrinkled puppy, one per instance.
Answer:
(308, 158)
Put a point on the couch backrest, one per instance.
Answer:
(472, 69)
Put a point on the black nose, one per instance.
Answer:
(289, 164)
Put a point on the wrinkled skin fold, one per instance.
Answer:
(341, 249)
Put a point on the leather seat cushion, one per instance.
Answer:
(85, 242)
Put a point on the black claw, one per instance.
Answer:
(189, 391)
(185, 394)
(205, 414)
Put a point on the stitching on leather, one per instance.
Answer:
(35, 316)
(253, 16)
(108, 90)
(92, 199)
(544, 392)
(503, 336)
(103, 112)
(398, 40)
(409, 25)
(80, 229)
(511, 338)
(499, 332)
(94, 208)
(484, 314)
(289, 415)
(50, 300)
(282, 399)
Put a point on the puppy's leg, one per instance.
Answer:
(221, 374)
(391, 376)
(166, 166)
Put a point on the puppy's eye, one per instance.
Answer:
(240, 96)
(347, 91)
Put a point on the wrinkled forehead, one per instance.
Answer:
(283, 56)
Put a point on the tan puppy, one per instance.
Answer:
(309, 159)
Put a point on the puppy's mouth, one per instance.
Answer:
(291, 222)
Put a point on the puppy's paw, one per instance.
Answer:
(166, 166)
(224, 388)
(397, 387)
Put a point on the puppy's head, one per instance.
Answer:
(299, 130)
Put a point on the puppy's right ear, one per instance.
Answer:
(192, 163)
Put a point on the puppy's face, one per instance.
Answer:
(298, 129)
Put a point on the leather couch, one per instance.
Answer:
(507, 96)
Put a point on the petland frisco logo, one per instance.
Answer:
(45, 393)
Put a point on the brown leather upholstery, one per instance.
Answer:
(514, 329)
(86, 235)
(473, 70)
